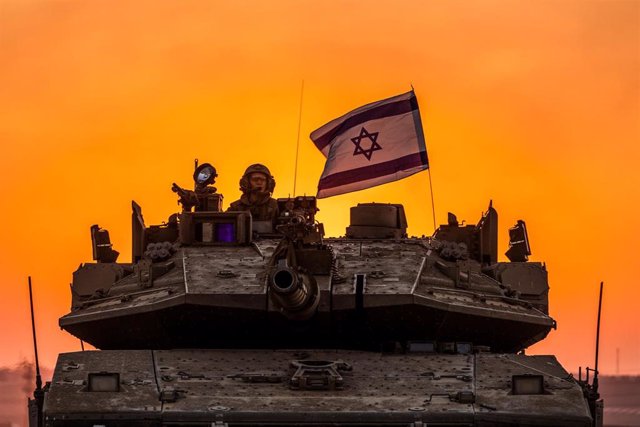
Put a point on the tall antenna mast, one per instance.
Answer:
(590, 391)
(295, 173)
(38, 394)
(595, 372)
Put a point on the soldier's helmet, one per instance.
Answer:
(257, 168)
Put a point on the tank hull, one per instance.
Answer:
(311, 387)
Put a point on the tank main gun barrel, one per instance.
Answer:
(294, 292)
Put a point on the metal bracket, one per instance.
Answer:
(317, 375)
(70, 365)
(145, 273)
(460, 397)
(187, 376)
(226, 274)
(465, 397)
(170, 395)
(258, 377)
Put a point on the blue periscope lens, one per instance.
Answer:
(225, 233)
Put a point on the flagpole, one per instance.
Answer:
(295, 173)
(433, 206)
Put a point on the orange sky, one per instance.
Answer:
(533, 104)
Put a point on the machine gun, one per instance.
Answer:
(204, 196)
(187, 198)
(297, 220)
(299, 255)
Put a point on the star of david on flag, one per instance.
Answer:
(371, 145)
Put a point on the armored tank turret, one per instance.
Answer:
(223, 319)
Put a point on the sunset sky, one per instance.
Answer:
(532, 104)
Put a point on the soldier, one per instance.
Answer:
(257, 185)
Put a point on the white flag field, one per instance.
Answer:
(372, 145)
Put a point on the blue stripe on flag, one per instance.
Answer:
(380, 112)
(375, 171)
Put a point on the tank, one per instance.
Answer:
(223, 319)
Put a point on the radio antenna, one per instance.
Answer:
(590, 391)
(38, 394)
(595, 372)
(295, 173)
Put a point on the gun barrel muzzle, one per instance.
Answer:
(284, 280)
(294, 292)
